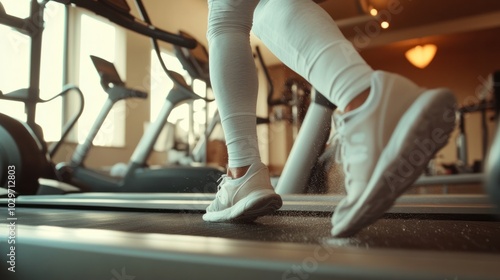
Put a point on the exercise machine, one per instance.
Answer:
(195, 62)
(23, 150)
(138, 176)
(308, 146)
(100, 236)
(481, 107)
(24, 147)
(493, 164)
(493, 170)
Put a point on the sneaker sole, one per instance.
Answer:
(390, 179)
(255, 205)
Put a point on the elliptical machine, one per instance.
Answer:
(24, 154)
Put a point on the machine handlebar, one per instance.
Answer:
(128, 21)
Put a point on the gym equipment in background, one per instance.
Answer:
(493, 163)
(296, 95)
(493, 170)
(23, 146)
(25, 150)
(195, 62)
(482, 106)
(308, 146)
(118, 11)
(138, 176)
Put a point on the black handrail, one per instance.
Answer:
(127, 21)
(156, 47)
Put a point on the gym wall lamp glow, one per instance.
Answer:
(420, 56)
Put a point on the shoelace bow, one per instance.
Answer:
(222, 180)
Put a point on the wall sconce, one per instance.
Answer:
(421, 56)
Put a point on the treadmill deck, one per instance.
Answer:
(100, 236)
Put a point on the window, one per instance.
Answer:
(15, 70)
(99, 38)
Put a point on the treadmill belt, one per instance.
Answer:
(440, 233)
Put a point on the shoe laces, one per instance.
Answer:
(223, 178)
(338, 140)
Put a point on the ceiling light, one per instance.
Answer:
(373, 11)
(384, 24)
(421, 56)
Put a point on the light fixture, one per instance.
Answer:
(384, 24)
(367, 7)
(421, 55)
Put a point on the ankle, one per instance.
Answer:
(237, 172)
(357, 101)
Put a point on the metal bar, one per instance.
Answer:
(306, 149)
(71, 122)
(14, 22)
(200, 149)
(458, 179)
(82, 150)
(146, 144)
(415, 204)
(37, 23)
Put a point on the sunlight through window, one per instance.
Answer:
(98, 38)
(15, 54)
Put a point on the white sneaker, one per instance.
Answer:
(386, 144)
(245, 198)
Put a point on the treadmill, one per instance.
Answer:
(162, 236)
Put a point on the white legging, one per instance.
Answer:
(301, 34)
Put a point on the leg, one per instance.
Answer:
(305, 38)
(233, 76)
(389, 129)
(246, 192)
